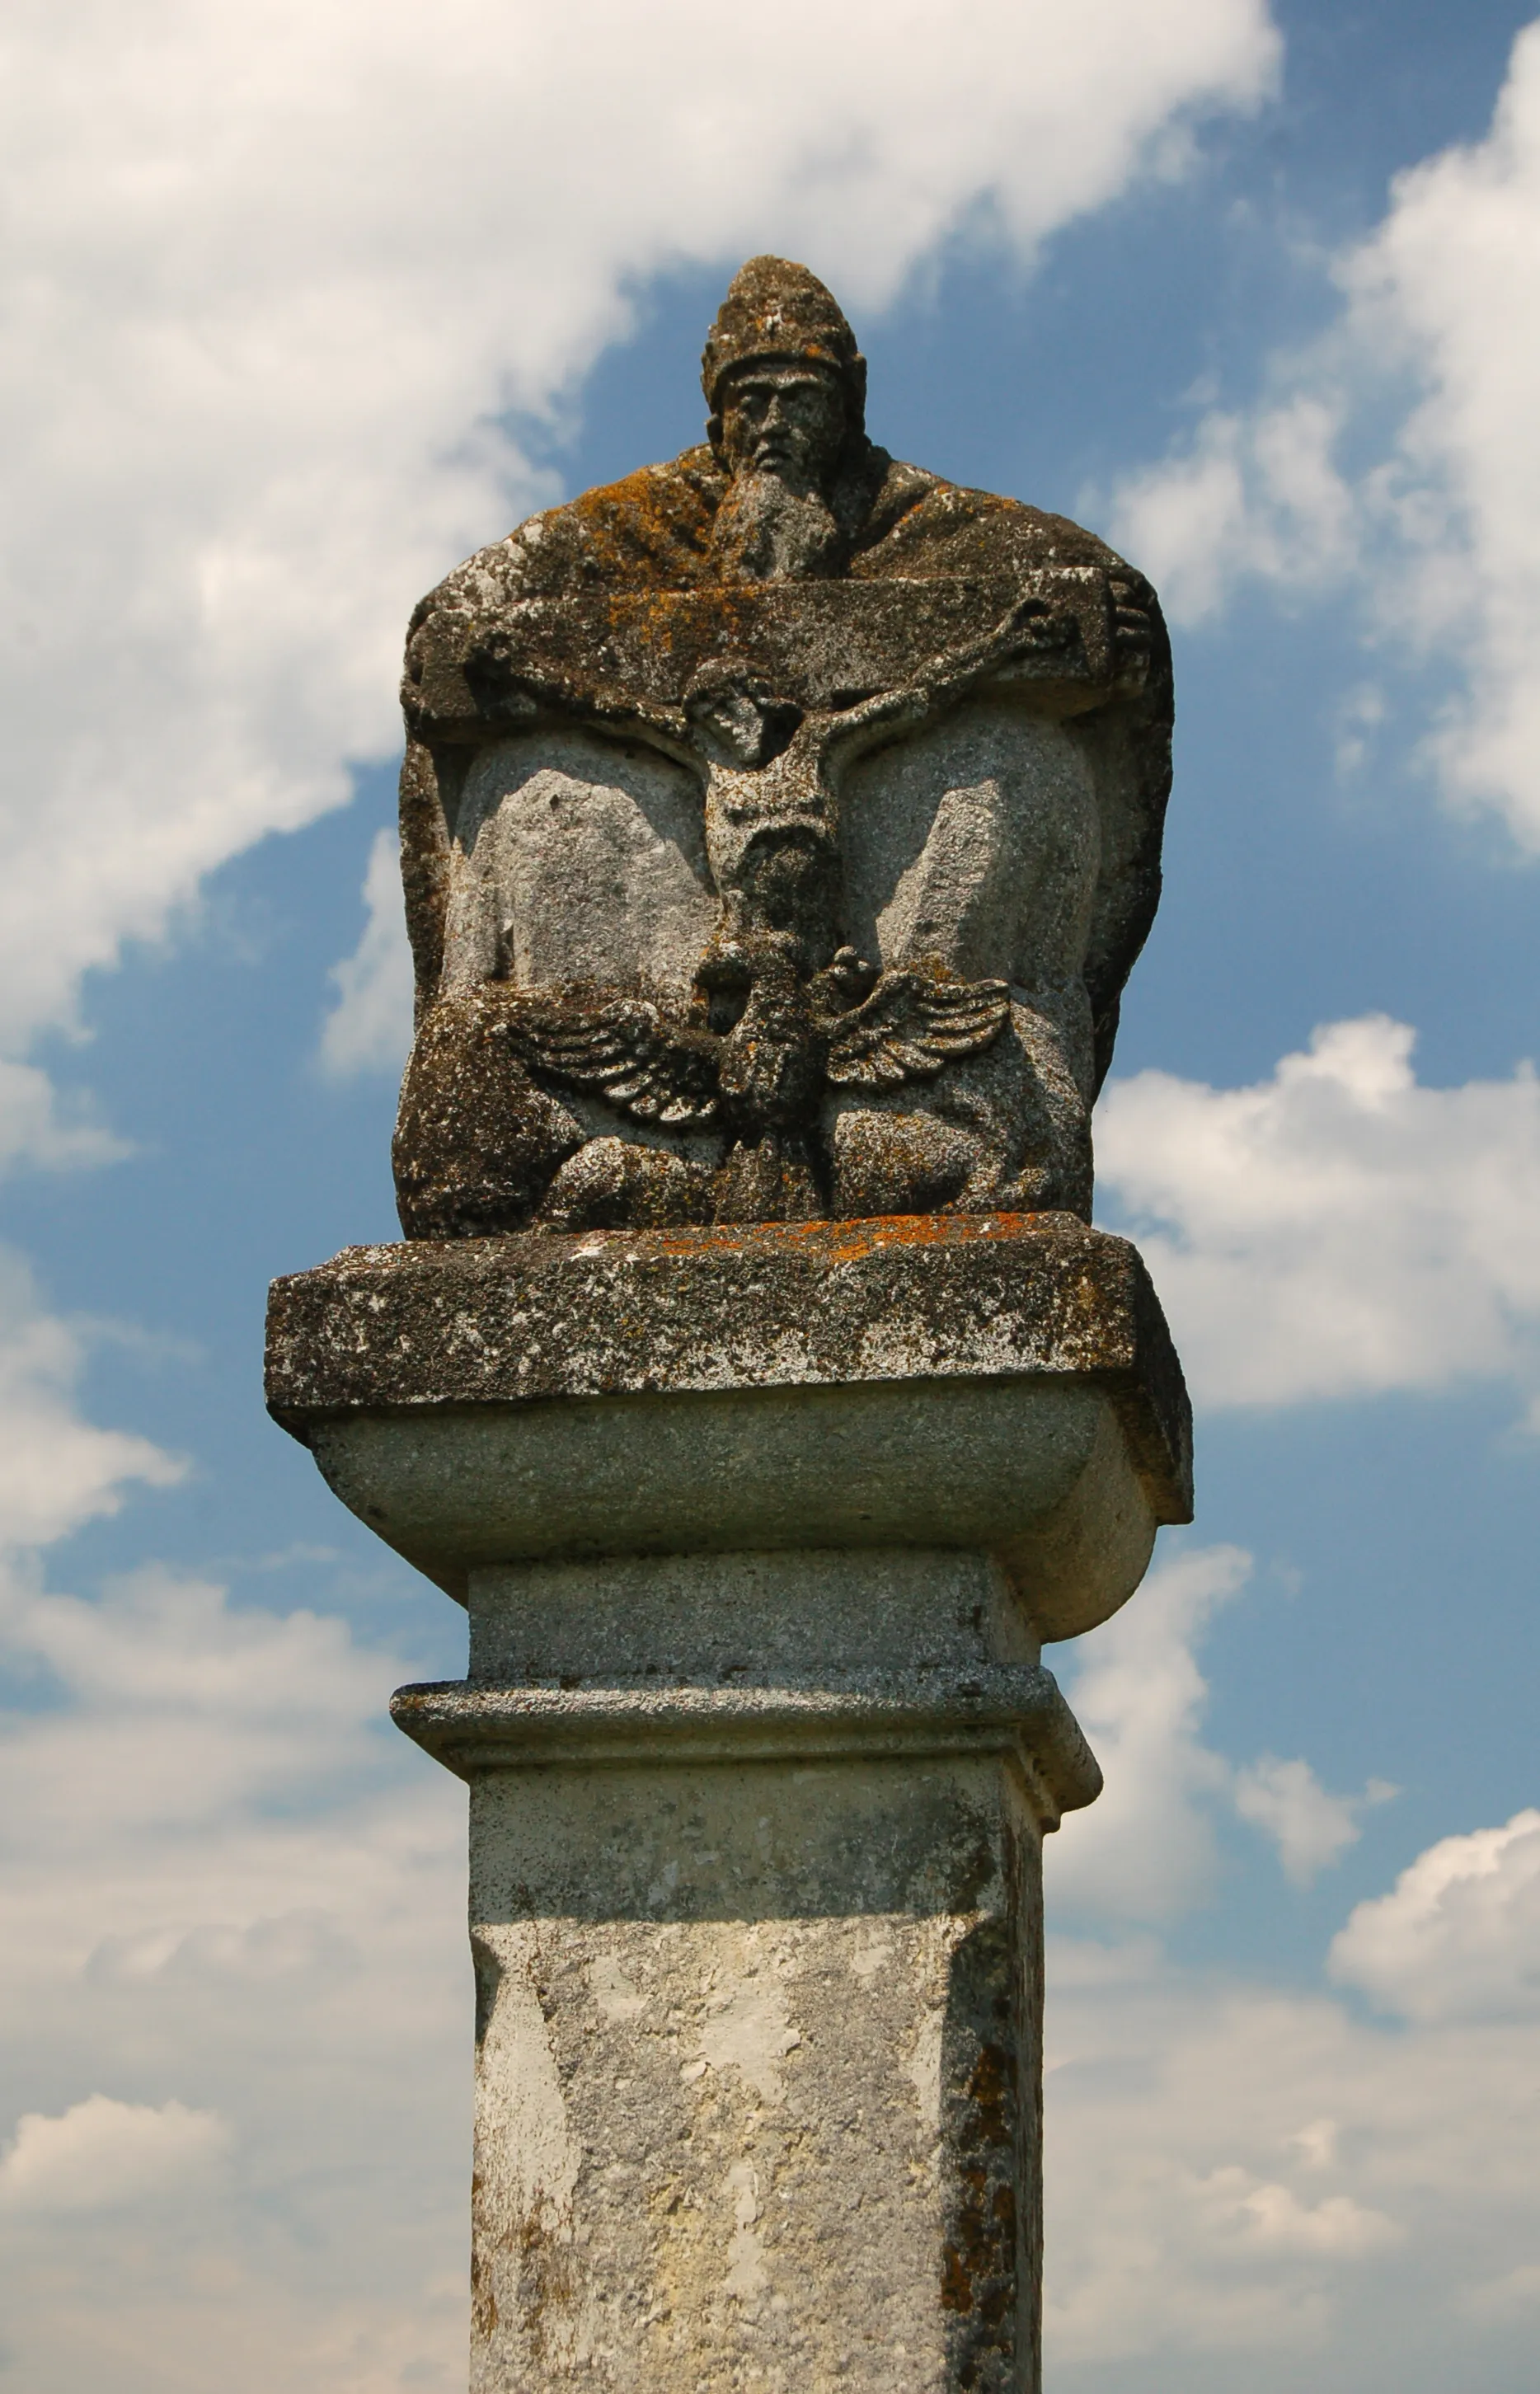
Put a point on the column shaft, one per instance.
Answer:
(757, 1913)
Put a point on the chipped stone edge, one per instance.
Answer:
(319, 1369)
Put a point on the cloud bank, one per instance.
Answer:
(1458, 1937)
(1251, 2183)
(287, 272)
(235, 2006)
(234, 1998)
(1338, 1230)
(1149, 1850)
(100, 2154)
(277, 277)
(232, 1916)
(1435, 526)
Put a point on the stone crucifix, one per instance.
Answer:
(727, 718)
(779, 828)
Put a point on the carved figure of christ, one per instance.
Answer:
(688, 742)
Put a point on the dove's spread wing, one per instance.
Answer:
(625, 1051)
(914, 1021)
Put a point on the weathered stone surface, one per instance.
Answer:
(726, 1657)
(793, 749)
(756, 1914)
(759, 1530)
(816, 1304)
(996, 1385)
(1036, 1475)
(822, 646)
(757, 2095)
(779, 827)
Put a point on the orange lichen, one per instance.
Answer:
(838, 1242)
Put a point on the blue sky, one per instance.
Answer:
(301, 315)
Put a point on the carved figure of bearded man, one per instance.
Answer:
(779, 826)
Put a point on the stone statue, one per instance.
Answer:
(779, 828)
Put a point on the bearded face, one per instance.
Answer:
(784, 427)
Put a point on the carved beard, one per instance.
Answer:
(766, 531)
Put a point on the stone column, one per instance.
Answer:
(759, 1531)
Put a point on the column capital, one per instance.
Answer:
(996, 1384)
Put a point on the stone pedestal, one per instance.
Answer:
(759, 1531)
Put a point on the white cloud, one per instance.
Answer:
(244, 1703)
(1258, 496)
(37, 1127)
(275, 274)
(1458, 1936)
(369, 1027)
(224, 1879)
(1338, 1229)
(100, 2153)
(56, 1470)
(1273, 2216)
(1148, 1849)
(1517, 2291)
(1145, 1850)
(232, 1903)
(1311, 1827)
(1248, 2185)
(1439, 530)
